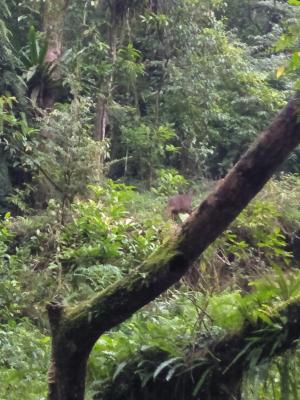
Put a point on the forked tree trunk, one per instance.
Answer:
(75, 331)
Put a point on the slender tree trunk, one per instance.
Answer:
(53, 23)
(5, 181)
(101, 119)
(75, 331)
(103, 98)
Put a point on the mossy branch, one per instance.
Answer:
(213, 367)
(84, 324)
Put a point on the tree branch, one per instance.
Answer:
(219, 362)
(84, 324)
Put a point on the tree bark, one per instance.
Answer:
(53, 24)
(101, 119)
(75, 331)
(5, 181)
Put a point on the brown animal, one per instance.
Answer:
(180, 203)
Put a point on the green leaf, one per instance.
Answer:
(33, 45)
(163, 365)
(201, 382)
(294, 2)
(119, 369)
(280, 71)
(239, 355)
(43, 52)
(31, 72)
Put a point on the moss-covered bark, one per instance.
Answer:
(75, 331)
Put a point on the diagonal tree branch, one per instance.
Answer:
(209, 220)
(76, 330)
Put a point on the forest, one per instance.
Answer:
(149, 199)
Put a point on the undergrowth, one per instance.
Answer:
(248, 275)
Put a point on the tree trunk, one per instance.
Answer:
(71, 372)
(5, 181)
(101, 119)
(76, 330)
(67, 371)
(53, 24)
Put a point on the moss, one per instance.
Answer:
(162, 255)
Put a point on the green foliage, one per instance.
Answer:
(17, 143)
(281, 380)
(204, 84)
(23, 291)
(92, 237)
(37, 49)
(24, 354)
(17, 137)
(187, 87)
(260, 237)
(149, 147)
(169, 182)
(236, 102)
(103, 234)
(226, 312)
(128, 66)
(5, 32)
(152, 328)
(258, 20)
(265, 235)
(8, 60)
(39, 76)
(289, 42)
(69, 159)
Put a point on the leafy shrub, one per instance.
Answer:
(103, 241)
(169, 182)
(149, 146)
(69, 159)
(24, 357)
(193, 320)
(260, 237)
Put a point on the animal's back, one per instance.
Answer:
(180, 203)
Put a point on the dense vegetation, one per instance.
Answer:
(108, 108)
